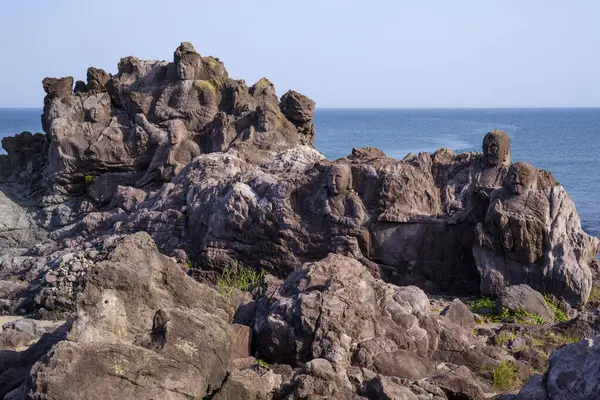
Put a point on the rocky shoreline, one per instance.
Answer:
(175, 235)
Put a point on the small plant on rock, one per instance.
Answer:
(505, 337)
(559, 315)
(263, 363)
(486, 308)
(506, 376)
(482, 305)
(89, 179)
(240, 278)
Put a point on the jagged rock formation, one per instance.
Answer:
(165, 147)
(125, 122)
(178, 158)
(572, 374)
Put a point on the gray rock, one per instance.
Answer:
(523, 297)
(533, 236)
(571, 374)
(128, 322)
(459, 383)
(248, 384)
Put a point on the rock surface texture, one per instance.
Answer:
(150, 185)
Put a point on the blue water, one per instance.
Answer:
(565, 142)
(16, 120)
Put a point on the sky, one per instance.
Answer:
(341, 53)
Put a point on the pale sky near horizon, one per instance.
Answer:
(342, 53)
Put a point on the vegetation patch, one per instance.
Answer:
(594, 295)
(505, 337)
(88, 179)
(559, 339)
(263, 363)
(506, 376)
(559, 315)
(486, 308)
(240, 278)
(208, 85)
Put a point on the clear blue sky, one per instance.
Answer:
(342, 53)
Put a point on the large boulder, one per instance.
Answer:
(143, 329)
(336, 310)
(533, 236)
(571, 374)
(523, 298)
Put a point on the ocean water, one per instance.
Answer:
(16, 120)
(565, 142)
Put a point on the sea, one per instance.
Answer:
(564, 141)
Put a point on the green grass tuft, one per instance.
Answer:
(594, 294)
(263, 363)
(486, 308)
(506, 376)
(240, 278)
(559, 315)
(88, 179)
(482, 304)
(505, 337)
(561, 339)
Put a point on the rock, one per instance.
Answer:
(140, 312)
(242, 342)
(33, 329)
(97, 79)
(11, 339)
(460, 314)
(533, 357)
(336, 310)
(389, 388)
(523, 297)
(80, 87)
(300, 110)
(128, 198)
(248, 384)
(319, 378)
(177, 158)
(459, 383)
(15, 366)
(111, 126)
(59, 88)
(297, 108)
(12, 215)
(570, 374)
(532, 236)
(402, 364)
(341, 305)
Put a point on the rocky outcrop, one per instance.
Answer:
(165, 146)
(336, 310)
(178, 159)
(571, 374)
(460, 314)
(153, 117)
(534, 236)
(142, 328)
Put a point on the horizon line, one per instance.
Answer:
(399, 107)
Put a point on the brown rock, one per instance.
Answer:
(11, 339)
(523, 297)
(242, 342)
(460, 314)
(97, 79)
(459, 383)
